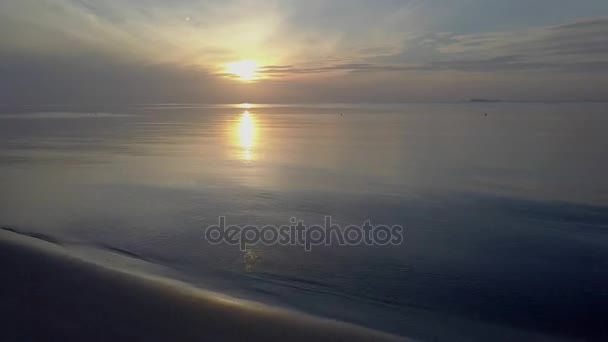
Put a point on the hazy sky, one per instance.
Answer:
(142, 51)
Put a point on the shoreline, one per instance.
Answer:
(47, 293)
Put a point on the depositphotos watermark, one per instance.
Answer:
(298, 234)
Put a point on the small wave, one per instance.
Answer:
(121, 251)
(35, 235)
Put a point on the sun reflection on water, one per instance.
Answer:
(247, 135)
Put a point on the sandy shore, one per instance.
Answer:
(49, 294)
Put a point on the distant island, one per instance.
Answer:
(485, 100)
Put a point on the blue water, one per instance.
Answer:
(505, 215)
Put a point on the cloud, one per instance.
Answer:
(577, 42)
(154, 51)
(150, 31)
(99, 80)
(580, 46)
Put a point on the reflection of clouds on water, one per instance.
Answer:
(61, 115)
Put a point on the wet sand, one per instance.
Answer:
(49, 294)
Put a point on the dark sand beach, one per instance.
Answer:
(49, 295)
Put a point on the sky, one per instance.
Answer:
(156, 51)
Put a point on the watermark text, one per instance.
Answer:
(296, 233)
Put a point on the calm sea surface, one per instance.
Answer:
(505, 215)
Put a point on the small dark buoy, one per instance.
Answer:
(485, 114)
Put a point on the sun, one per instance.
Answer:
(244, 70)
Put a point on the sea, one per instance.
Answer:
(504, 206)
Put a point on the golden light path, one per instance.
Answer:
(247, 134)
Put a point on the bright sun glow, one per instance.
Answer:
(245, 70)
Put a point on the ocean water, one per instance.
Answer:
(505, 214)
